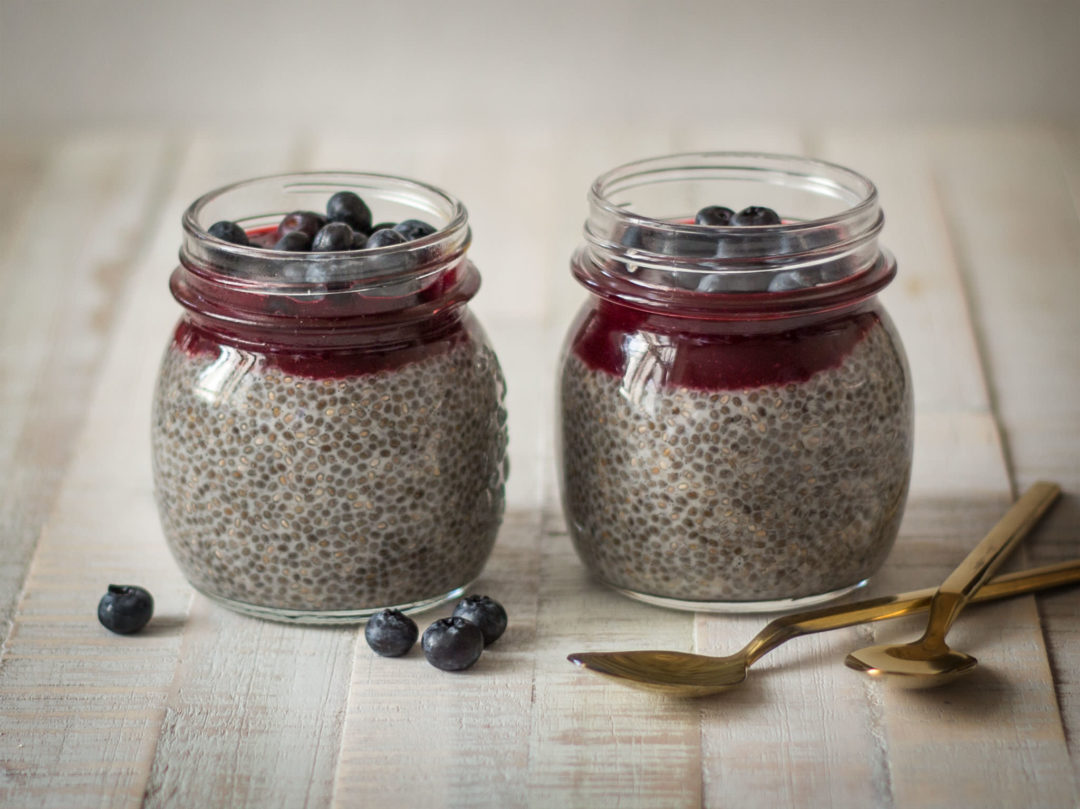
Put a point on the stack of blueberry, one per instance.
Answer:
(346, 225)
(450, 644)
(730, 246)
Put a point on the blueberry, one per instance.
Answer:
(792, 279)
(734, 282)
(382, 226)
(332, 237)
(384, 237)
(756, 215)
(414, 229)
(307, 222)
(295, 241)
(359, 241)
(347, 207)
(714, 216)
(452, 644)
(125, 608)
(812, 276)
(663, 242)
(391, 633)
(229, 232)
(294, 272)
(486, 613)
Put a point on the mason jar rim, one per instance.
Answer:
(252, 266)
(646, 248)
(826, 176)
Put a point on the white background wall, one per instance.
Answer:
(335, 63)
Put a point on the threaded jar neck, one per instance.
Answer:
(642, 245)
(324, 299)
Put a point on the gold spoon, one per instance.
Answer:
(928, 661)
(682, 674)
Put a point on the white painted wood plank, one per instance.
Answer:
(1022, 257)
(594, 743)
(71, 226)
(580, 153)
(502, 177)
(253, 713)
(1039, 450)
(800, 732)
(931, 759)
(94, 737)
(413, 735)
(420, 737)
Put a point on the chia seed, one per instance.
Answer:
(776, 491)
(313, 494)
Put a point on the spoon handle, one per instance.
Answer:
(823, 619)
(986, 557)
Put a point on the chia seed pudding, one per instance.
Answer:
(736, 433)
(325, 451)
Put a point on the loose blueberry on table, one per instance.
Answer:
(487, 613)
(391, 633)
(452, 644)
(125, 608)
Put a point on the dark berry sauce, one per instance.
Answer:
(609, 334)
(345, 332)
(330, 364)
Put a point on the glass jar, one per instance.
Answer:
(736, 407)
(329, 431)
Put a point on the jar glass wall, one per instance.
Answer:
(329, 430)
(735, 404)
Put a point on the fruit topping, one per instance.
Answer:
(307, 222)
(334, 236)
(391, 633)
(347, 207)
(756, 215)
(125, 608)
(452, 644)
(295, 241)
(714, 216)
(346, 226)
(229, 232)
(414, 229)
(384, 237)
(487, 613)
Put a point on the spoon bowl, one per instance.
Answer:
(682, 674)
(910, 666)
(928, 661)
(679, 674)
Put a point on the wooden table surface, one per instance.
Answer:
(210, 709)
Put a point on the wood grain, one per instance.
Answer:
(1021, 264)
(72, 220)
(209, 708)
(949, 375)
(75, 681)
